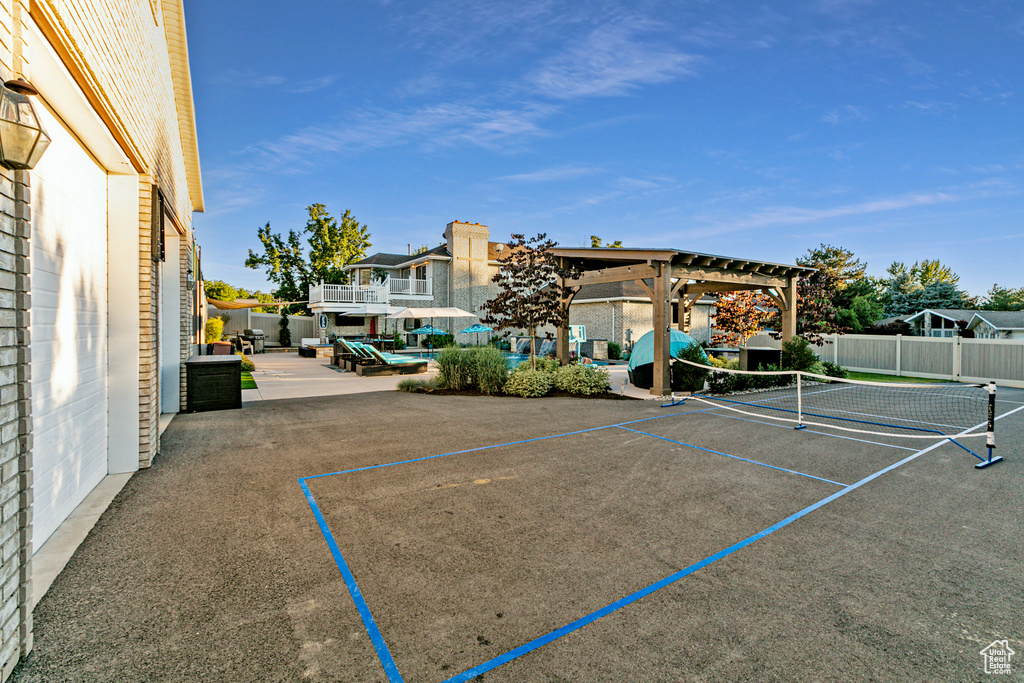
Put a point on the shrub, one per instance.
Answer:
(614, 350)
(529, 383)
(247, 364)
(582, 379)
(833, 370)
(285, 338)
(686, 377)
(438, 341)
(797, 355)
(716, 362)
(214, 329)
(722, 382)
(490, 370)
(454, 368)
(543, 364)
(399, 342)
(417, 386)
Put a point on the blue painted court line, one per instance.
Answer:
(811, 431)
(500, 445)
(390, 668)
(385, 655)
(734, 457)
(469, 674)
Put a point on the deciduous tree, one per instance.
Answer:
(530, 293)
(293, 267)
(740, 315)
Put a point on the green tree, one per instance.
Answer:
(1004, 299)
(862, 313)
(530, 291)
(595, 241)
(333, 244)
(329, 247)
(219, 290)
(836, 262)
(933, 295)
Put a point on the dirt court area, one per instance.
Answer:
(395, 537)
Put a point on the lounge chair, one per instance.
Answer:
(342, 354)
(360, 355)
(380, 363)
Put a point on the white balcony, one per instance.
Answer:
(398, 287)
(370, 294)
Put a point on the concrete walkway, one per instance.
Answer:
(285, 375)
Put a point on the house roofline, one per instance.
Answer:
(991, 324)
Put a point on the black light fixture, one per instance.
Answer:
(22, 138)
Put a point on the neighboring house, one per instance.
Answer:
(98, 275)
(997, 324)
(458, 274)
(938, 322)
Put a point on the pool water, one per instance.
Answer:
(513, 359)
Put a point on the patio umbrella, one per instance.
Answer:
(477, 329)
(446, 312)
(428, 330)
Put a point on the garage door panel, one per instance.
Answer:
(69, 328)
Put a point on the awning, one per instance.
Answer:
(431, 313)
(235, 305)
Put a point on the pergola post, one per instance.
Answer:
(662, 304)
(562, 333)
(788, 311)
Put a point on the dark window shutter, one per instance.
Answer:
(157, 225)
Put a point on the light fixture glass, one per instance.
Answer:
(22, 137)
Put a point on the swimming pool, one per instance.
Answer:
(513, 359)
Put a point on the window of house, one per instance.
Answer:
(421, 272)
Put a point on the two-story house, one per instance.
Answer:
(458, 274)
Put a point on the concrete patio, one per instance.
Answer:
(285, 375)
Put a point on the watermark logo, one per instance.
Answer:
(997, 657)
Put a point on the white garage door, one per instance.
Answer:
(69, 328)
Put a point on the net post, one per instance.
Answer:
(799, 402)
(990, 433)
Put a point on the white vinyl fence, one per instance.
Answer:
(246, 319)
(954, 358)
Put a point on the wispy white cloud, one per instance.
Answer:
(612, 60)
(288, 84)
(553, 174)
(845, 114)
(795, 215)
(430, 126)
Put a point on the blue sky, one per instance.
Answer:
(894, 129)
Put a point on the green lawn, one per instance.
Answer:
(247, 381)
(873, 377)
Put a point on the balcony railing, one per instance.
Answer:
(399, 287)
(370, 294)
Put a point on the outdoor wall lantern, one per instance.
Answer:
(22, 138)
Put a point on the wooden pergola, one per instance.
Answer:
(669, 275)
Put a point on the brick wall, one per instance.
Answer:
(15, 381)
(149, 331)
(469, 273)
(15, 422)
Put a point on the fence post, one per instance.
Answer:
(835, 349)
(956, 359)
(899, 355)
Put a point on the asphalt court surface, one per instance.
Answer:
(542, 533)
(211, 564)
(609, 511)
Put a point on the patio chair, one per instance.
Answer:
(343, 354)
(362, 357)
(243, 345)
(390, 364)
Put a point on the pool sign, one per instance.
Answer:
(322, 321)
(577, 334)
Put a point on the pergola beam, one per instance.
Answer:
(619, 274)
(725, 276)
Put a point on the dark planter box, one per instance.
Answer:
(751, 358)
(214, 383)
